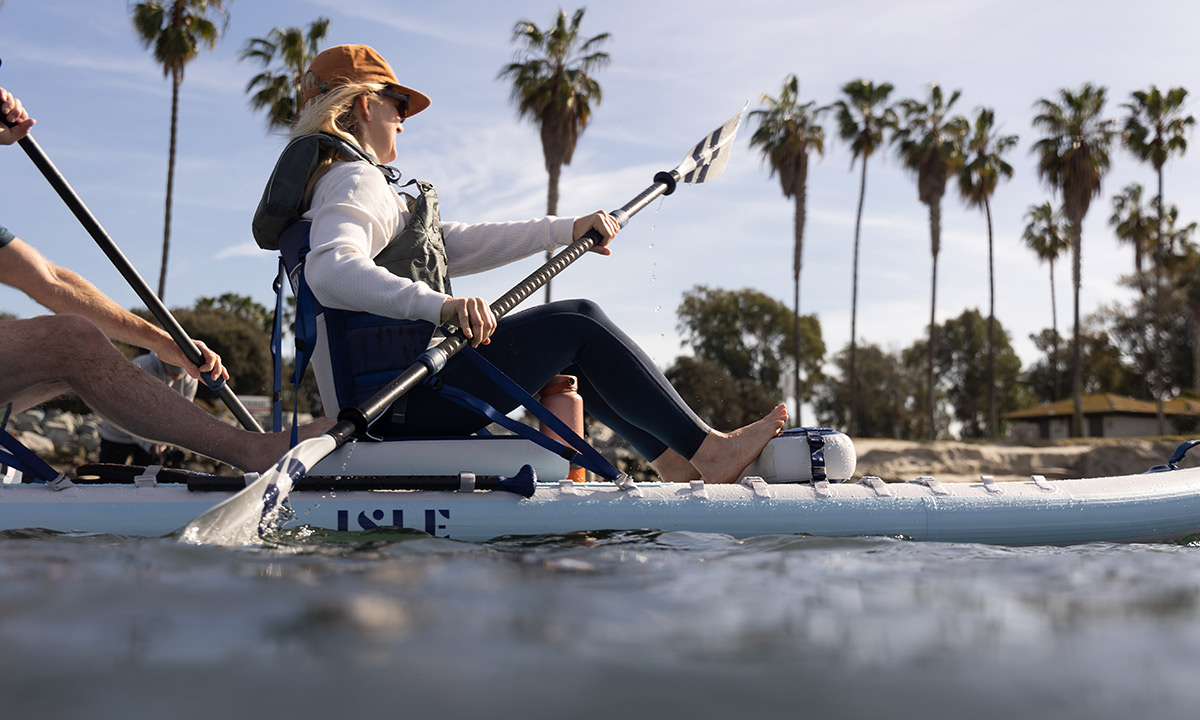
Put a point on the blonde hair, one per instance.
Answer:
(332, 112)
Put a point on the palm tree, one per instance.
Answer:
(1131, 221)
(787, 132)
(862, 118)
(278, 91)
(983, 168)
(553, 87)
(929, 143)
(1155, 128)
(175, 30)
(1073, 156)
(1046, 236)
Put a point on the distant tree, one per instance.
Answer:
(278, 90)
(968, 387)
(1156, 128)
(748, 334)
(1108, 366)
(862, 116)
(983, 168)
(1046, 236)
(930, 144)
(175, 30)
(888, 411)
(788, 131)
(1131, 221)
(1073, 156)
(1043, 377)
(724, 401)
(242, 307)
(243, 345)
(1182, 266)
(1115, 352)
(552, 85)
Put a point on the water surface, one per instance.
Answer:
(600, 625)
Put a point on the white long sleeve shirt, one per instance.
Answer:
(355, 213)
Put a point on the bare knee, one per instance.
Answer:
(68, 341)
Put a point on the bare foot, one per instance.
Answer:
(268, 448)
(723, 456)
(673, 467)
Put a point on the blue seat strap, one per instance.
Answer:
(480, 407)
(277, 352)
(23, 459)
(586, 455)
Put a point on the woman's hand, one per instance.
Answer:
(602, 223)
(473, 316)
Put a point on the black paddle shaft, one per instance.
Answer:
(153, 303)
(357, 420)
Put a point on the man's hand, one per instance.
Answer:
(14, 113)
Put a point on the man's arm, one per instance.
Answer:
(65, 292)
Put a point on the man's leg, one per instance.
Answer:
(45, 354)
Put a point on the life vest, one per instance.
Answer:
(354, 354)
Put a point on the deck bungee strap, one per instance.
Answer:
(23, 459)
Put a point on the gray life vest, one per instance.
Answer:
(357, 352)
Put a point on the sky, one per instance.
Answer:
(679, 69)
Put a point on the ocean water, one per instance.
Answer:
(594, 625)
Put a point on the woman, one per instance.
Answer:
(373, 252)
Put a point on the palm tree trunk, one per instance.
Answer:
(555, 171)
(935, 234)
(993, 419)
(1156, 323)
(1054, 340)
(862, 194)
(1195, 354)
(176, 80)
(797, 264)
(1077, 359)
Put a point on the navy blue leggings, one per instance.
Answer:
(620, 385)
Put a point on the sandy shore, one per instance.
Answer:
(949, 461)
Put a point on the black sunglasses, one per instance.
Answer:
(401, 102)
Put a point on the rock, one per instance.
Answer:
(39, 445)
(89, 439)
(30, 420)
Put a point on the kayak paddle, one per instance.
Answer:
(153, 303)
(243, 518)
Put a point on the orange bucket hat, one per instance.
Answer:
(355, 63)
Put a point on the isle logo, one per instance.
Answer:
(435, 520)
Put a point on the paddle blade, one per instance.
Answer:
(243, 518)
(707, 160)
